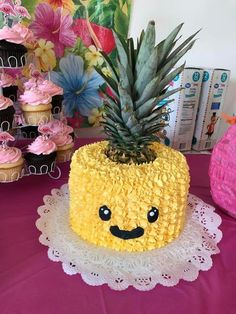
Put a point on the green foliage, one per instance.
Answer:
(140, 85)
(109, 14)
(121, 22)
(30, 5)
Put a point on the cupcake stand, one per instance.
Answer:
(20, 130)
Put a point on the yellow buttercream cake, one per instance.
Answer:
(128, 207)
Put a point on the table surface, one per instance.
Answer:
(32, 284)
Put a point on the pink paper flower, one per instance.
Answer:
(54, 26)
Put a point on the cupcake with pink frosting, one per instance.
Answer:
(11, 160)
(41, 155)
(36, 106)
(7, 82)
(12, 45)
(61, 136)
(56, 92)
(65, 146)
(6, 113)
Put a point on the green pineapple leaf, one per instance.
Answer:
(168, 42)
(109, 80)
(147, 73)
(147, 44)
(140, 82)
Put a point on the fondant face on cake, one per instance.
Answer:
(105, 214)
(128, 207)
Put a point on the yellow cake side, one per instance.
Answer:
(129, 192)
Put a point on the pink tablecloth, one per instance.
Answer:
(31, 284)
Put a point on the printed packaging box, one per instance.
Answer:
(179, 133)
(214, 87)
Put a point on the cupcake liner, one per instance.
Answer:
(30, 131)
(12, 55)
(11, 174)
(37, 117)
(6, 118)
(64, 155)
(10, 92)
(57, 103)
(40, 164)
(72, 134)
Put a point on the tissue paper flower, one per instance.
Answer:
(80, 86)
(93, 56)
(54, 26)
(96, 117)
(65, 4)
(106, 71)
(104, 35)
(45, 54)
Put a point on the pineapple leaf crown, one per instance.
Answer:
(139, 82)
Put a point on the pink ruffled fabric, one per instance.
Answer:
(222, 172)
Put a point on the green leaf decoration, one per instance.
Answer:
(121, 22)
(80, 13)
(79, 49)
(30, 5)
(101, 13)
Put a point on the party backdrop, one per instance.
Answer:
(70, 35)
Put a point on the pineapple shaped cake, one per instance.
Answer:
(129, 193)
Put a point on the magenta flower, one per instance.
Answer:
(54, 26)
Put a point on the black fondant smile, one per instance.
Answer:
(126, 235)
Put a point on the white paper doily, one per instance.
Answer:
(181, 259)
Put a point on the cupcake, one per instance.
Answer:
(60, 135)
(65, 145)
(36, 106)
(11, 161)
(33, 82)
(29, 131)
(41, 155)
(56, 126)
(9, 89)
(6, 113)
(12, 49)
(55, 91)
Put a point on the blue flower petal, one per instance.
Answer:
(87, 101)
(69, 103)
(94, 80)
(80, 88)
(72, 67)
(57, 78)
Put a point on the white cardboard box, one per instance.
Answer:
(179, 133)
(214, 87)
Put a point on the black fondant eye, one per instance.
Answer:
(104, 213)
(153, 214)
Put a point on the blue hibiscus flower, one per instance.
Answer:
(80, 86)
